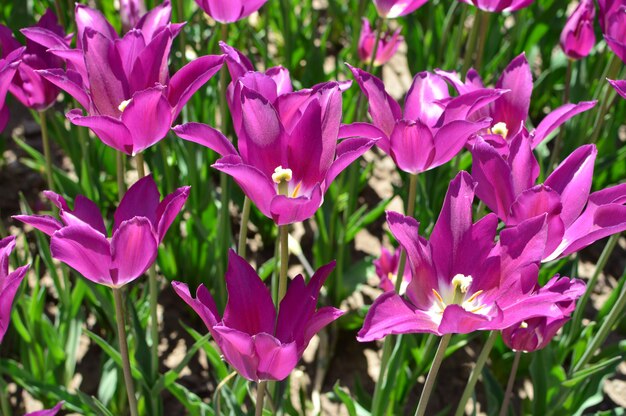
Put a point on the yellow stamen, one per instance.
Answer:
(296, 190)
(442, 304)
(474, 296)
(124, 104)
(523, 325)
(501, 129)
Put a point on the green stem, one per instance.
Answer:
(243, 232)
(432, 375)
(558, 142)
(284, 262)
(611, 319)
(478, 368)
(123, 340)
(482, 37)
(260, 398)
(509, 385)
(182, 39)
(121, 185)
(471, 44)
(46, 149)
(580, 306)
(605, 101)
(410, 211)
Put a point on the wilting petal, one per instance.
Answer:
(419, 104)
(556, 118)
(512, 108)
(148, 118)
(206, 136)
(169, 208)
(44, 223)
(84, 249)
(276, 360)
(286, 210)
(141, 200)
(110, 130)
(133, 250)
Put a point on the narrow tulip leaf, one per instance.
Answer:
(589, 371)
(220, 370)
(170, 376)
(94, 404)
(345, 398)
(193, 404)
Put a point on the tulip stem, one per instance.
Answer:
(46, 149)
(123, 340)
(509, 385)
(580, 306)
(260, 398)
(478, 368)
(558, 142)
(121, 185)
(607, 98)
(432, 375)
(284, 262)
(388, 343)
(482, 38)
(471, 44)
(243, 232)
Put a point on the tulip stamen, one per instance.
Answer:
(500, 128)
(474, 296)
(281, 177)
(442, 305)
(124, 104)
(296, 190)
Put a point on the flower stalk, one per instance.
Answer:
(123, 341)
(509, 385)
(432, 375)
(243, 232)
(260, 398)
(46, 149)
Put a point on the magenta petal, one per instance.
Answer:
(426, 89)
(148, 118)
(48, 412)
(110, 130)
(524, 166)
(365, 130)
(133, 250)
(85, 212)
(512, 108)
(155, 20)
(523, 244)
(412, 146)
(347, 152)
(206, 136)
(84, 249)
(322, 317)
(187, 80)
(141, 200)
(250, 308)
(203, 304)
(239, 352)
(286, 210)
(87, 17)
(9, 286)
(456, 320)
(450, 139)
(276, 360)
(70, 82)
(238, 63)
(556, 118)
(620, 86)
(169, 208)
(44, 223)
(391, 315)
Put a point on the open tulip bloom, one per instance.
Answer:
(578, 37)
(576, 218)
(510, 112)
(386, 267)
(124, 83)
(9, 283)
(80, 240)
(8, 67)
(288, 152)
(462, 280)
(259, 344)
(429, 132)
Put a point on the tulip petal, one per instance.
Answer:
(155, 20)
(419, 104)
(287, 210)
(512, 108)
(70, 82)
(110, 130)
(141, 200)
(238, 350)
(203, 304)
(10, 285)
(347, 152)
(620, 86)
(276, 360)
(450, 139)
(206, 136)
(85, 212)
(44, 223)
(87, 17)
(456, 320)
(133, 250)
(148, 118)
(169, 208)
(368, 131)
(556, 118)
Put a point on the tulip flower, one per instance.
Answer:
(29, 87)
(80, 240)
(535, 333)
(386, 267)
(576, 218)
(387, 45)
(613, 24)
(499, 6)
(510, 112)
(578, 37)
(229, 11)
(124, 84)
(47, 412)
(433, 127)
(131, 12)
(8, 67)
(9, 283)
(619, 85)
(462, 280)
(288, 152)
(258, 342)
(390, 9)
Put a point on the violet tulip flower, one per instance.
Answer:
(536, 333)
(28, 86)
(576, 218)
(47, 412)
(9, 283)
(80, 240)
(429, 132)
(578, 37)
(612, 19)
(462, 280)
(390, 9)
(131, 12)
(387, 45)
(510, 112)
(8, 67)
(259, 344)
(288, 152)
(229, 11)
(499, 6)
(386, 267)
(618, 85)
(124, 83)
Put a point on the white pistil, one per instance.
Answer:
(281, 175)
(462, 282)
(124, 104)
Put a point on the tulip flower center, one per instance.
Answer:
(500, 128)
(458, 296)
(281, 177)
(124, 104)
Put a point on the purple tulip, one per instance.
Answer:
(29, 87)
(387, 45)
(499, 6)
(124, 84)
(619, 85)
(80, 240)
(510, 112)
(462, 280)
(576, 218)
(9, 283)
(578, 37)
(612, 19)
(288, 152)
(386, 267)
(433, 127)
(229, 11)
(535, 333)
(131, 12)
(8, 67)
(47, 412)
(390, 9)
(259, 344)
